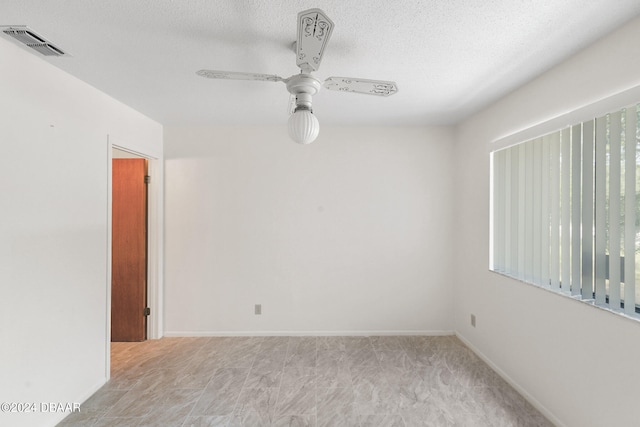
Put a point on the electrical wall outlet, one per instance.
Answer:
(258, 309)
(473, 320)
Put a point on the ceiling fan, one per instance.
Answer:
(314, 31)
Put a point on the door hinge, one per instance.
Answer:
(147, 311)
(147, 179)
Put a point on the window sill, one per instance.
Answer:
(590, 302)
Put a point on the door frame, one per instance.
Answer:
(155, 239)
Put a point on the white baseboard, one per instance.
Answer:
(301, 333)
(533, 401)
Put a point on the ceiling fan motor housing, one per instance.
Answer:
(303, 87)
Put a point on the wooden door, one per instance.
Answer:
(129, 250)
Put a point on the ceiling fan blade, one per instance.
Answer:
(370, 87)
(314, 31)
(233, 75)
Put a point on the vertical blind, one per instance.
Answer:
(566, 211)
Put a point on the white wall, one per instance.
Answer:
(580, 364)
(53, 231)
(347, 235)
(121, 154)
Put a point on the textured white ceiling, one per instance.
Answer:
(448, 57)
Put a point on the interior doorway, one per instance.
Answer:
(123, 148)
(129, 308)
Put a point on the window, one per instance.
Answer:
(566, 211)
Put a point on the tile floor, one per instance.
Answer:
(302, 381)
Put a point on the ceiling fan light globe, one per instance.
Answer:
(303, 127)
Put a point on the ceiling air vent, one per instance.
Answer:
(26, 35)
